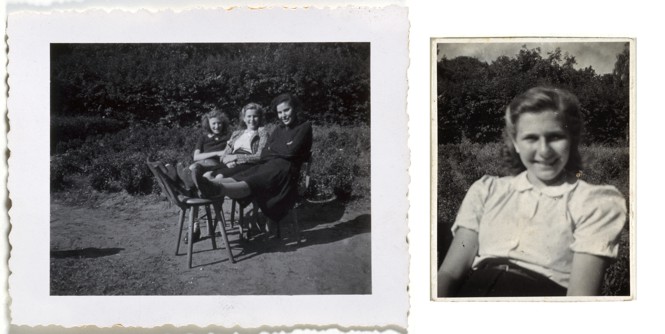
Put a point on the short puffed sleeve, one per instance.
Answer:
(473, 205)
(599, 215)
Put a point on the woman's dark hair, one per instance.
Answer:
(540, 99)
(293, 101)
(243, 111)
(215, 113)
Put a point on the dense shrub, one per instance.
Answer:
(341, 158)
(472, 95)
(114, 162)
(459, 165)
(174, 84)
(607, 165)
(105, 176)
(69, 132)
(60, 168)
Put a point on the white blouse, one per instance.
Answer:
(541, 229)
(244, 143)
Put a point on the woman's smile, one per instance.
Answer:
(285, 113)
(216, 125)
(543, 145)
(251, 119)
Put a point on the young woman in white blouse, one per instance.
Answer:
(244, 147)
(541, 232)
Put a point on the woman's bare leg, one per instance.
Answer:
(225, 186)
(235, 189)
(221, 179)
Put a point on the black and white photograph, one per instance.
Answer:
(210, 169)
(189, 170)
(532, 177)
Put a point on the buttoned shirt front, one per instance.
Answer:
(541, 229)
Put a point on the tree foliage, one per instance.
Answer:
(472, 95)
(173, 84)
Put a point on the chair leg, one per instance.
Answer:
(241, 223)
(255, 213)
(211, 227)
(219, 214)
(296, 225)
(190, 248)
(233, 212)
(181, 221)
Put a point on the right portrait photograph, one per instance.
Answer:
(533, 175)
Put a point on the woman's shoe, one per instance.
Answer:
(206, 188)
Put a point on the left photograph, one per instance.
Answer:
(170, 161)
(210, 169)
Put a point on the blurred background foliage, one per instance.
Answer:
(472, 95)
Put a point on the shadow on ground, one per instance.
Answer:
(319, 224)
(85, 253)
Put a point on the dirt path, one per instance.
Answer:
(126, 246)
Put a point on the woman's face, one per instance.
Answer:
(216, 125)
(252, 119)
(544, 147)
(285, 113)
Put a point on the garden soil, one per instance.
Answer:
(124, 245)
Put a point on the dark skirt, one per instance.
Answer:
(501, 278)
(274, 186)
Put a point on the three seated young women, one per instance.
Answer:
(543, 231)
(272, 181)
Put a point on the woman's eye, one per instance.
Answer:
(530, 138)
(556, 137)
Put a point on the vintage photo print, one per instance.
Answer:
(116, 106)
(180, 161)
(532, 168)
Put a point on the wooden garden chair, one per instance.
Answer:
(177, 193)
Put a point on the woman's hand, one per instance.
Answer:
(229, 158)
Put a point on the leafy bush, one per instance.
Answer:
(607, 165)
(115, 162)
(105, 177)
(60, 168)
(472, 95)
(173, 84)
(341, 158)
(69, 132)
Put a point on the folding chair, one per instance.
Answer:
(177, 193)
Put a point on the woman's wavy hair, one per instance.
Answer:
(292, 100)
(250, 106)
(215, 113)
(540, 99)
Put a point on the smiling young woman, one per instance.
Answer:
(540, 232)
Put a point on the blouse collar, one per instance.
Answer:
(522, 183)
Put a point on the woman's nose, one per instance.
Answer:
(544, 148)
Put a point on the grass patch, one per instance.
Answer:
(115, 162)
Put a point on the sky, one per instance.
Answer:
(599, 55)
